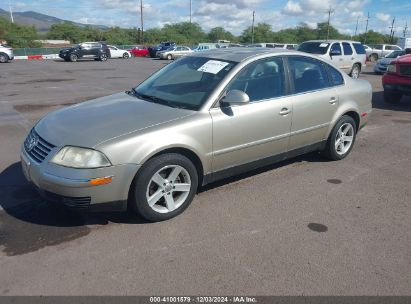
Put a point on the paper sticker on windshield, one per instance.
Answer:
(323, 44)
(212, 66)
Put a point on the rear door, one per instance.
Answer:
(259, 129)
(315, 101)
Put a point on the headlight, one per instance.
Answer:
(76, 157)
(392, 68)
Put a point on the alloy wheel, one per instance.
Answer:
(344, 138)
(168, 188)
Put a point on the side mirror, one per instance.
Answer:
(236, 97)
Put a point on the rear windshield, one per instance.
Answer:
(314, 47)
(359, 48)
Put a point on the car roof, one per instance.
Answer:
(241, 53)
(333, 40)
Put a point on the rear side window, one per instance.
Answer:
(347, 48)
(335, 76)
(308, 74)
(359, 48)
(378, 47)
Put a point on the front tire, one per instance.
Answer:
(392, 96)
(126, 56)
(164, 187)
(169, 56)
(341, 139)
(73, 58)
(103, 57)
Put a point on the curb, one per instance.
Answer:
(37, 57)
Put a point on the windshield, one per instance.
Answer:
(395, 54)
(314, 47)
(185, 83)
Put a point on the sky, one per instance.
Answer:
(233, 15)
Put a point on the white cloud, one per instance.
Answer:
(383, 17)
(292, 8)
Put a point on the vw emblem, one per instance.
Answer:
(32, 142)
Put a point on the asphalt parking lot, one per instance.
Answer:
(302, 227)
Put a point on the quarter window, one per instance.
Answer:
(308, 74)
(347, 48)
(263, 79)
(336, 77)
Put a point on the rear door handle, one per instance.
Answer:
(285, 111)
(333, 100)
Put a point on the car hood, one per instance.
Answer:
(90, 123)
(385, 61)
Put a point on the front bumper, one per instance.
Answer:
(71, 186)
(395, 82)
(380, 68)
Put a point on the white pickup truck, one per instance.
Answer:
(378, 51)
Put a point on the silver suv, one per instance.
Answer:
(348, 55)
(6, 53)
(204, 117)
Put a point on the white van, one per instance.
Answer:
(205, 46)
(348, 55)
(404, 43)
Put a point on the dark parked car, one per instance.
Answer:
(160, 47)
(94, 50)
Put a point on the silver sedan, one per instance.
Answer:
(202, 118)
(174, 52)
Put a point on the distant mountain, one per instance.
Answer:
(40, 21)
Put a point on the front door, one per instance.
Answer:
(259, 129)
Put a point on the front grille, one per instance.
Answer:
(405, 69)
(37, 147)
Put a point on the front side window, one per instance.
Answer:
(347, 48)
(260, 80)
(378, 47)
(336, 49)
(308, 74)
(185, 83)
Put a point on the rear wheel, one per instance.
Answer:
(355, 71)
(73, 58)
(4, 58)
(164, 187)
(392, 96)
(373, 57)
(341, 139)
(169, 56)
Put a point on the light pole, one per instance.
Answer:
(252, 29)
(141, 22)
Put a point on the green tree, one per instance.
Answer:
(219, 33)
(18, 35)
(262, 33)
(67, 31)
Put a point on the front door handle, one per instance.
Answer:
(285, 111)
(333, 100)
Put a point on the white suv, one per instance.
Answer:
(6, 53)
(348, 55)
